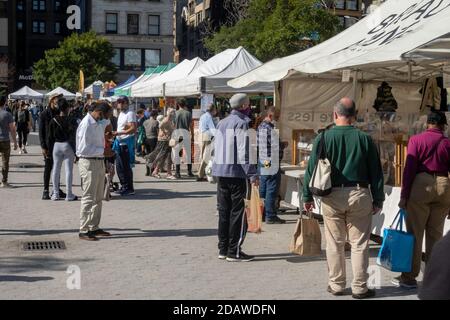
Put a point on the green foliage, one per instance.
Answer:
(61, 66)
(276, 28)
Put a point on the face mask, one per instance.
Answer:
(247, 112)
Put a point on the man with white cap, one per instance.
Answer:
(232, 168)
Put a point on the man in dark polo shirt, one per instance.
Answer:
(426, 191)
(349, 208)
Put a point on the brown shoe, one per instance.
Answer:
(88, 236)
(335, 293)
(370, 293)
(101, 233)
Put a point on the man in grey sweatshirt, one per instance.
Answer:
(233, 169)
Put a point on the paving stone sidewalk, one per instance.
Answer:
(164, 246)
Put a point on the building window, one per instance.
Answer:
(38, 5)
(152, 57)
(133, 24)
(346, 4)
(111, 23)
(133, 59)
(39, 27)
(351, 4)
(153, 25)
(19, 25)
(20, 5)
(116, 58)
(57, 5)
(57, 27)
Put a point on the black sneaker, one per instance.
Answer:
(62, 195)
(242, 258)
(403, 283)
(190, 174)
(125, 193)
(45, 195)
(88, 236)
(370, 293)
(222, 255)
(275, 220)
(201, 179)
(335, 293)
(177, 175)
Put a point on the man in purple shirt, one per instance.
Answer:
(426, 191)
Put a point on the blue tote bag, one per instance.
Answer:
(397, 249)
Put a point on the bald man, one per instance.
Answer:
(349, 208)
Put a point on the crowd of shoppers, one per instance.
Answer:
(101, 144)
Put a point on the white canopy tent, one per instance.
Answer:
(67, 94)
(154, 87)
(89, 90)
(26, 93)
(400, 40)
(213, 75)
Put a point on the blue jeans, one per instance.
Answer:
(123, 168)
(268, 189)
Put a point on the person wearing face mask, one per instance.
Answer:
(126, 128)
(62, 130)
(270, 155)
(233, 179)
(90, 146)
(45, 118)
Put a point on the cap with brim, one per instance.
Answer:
(123, 99)
(55, 95)
(437, 117)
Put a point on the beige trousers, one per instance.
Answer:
(206, 147)
(92, 173)
(427, 207)
(347, 214)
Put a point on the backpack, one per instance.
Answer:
(22, 116)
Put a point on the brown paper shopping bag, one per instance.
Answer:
(254, 211)
(307, 238)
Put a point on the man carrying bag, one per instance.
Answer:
(354, 165)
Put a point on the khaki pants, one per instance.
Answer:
(5, 152)
(427, 207)
(92, 173)
(206, 154)
(347, 214)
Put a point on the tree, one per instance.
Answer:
(61, 66)
(277, 28)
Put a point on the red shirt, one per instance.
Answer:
(425, 155)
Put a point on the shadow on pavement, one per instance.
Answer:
(392, 291)
(16, 265)
(165, 233)
(162, 194)
(23, 279)
(10, 232)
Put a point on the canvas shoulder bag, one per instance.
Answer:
(320, 183)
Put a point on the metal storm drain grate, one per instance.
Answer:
(43, 245)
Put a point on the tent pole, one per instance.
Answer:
(355, 84)
(409, 71)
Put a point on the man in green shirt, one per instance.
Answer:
(348, 210)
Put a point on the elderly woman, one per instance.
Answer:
(163, 151)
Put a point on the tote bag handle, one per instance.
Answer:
(400, 216)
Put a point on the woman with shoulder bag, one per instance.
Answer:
(62, 132)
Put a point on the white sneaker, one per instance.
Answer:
(55, 197)
(20, 151)
(6, 185)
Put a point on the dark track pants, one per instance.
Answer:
(231, 193)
